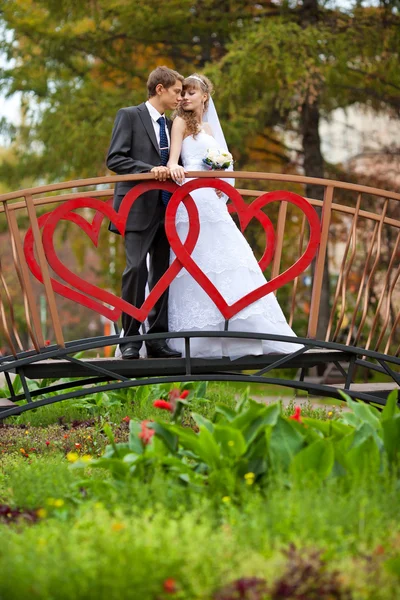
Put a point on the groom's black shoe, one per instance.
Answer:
(129, 352)
(161, 350)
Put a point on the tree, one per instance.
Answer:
(315, 61)
(80, 62)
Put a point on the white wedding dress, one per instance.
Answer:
(224, 255)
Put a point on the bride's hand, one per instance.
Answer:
(177, 173)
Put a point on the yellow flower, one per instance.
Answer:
(249, 477)
(330, 413)
(72, 457)
(41, 513)
(58, 503)
(117, 526)
(22, 451)
(86, 458)
(26, 432)
(226, 499)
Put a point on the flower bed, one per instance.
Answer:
(212, 497)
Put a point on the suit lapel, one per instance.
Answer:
(148, 124)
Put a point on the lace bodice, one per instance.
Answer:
(194, 150)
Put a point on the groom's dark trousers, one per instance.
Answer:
(134, 149)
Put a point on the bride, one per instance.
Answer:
(221, 250)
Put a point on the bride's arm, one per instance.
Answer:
(178, 131)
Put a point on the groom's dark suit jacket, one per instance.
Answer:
(134, 149)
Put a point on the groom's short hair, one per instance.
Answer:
(162, 75)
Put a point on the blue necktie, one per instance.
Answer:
(164, 153)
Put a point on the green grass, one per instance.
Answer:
(102, 539)
(124, 543)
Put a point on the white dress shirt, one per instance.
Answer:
(154, 114)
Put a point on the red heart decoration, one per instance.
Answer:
(50, 221)
(270, 238)
(183, 251)
(245, 213)
(92, 230)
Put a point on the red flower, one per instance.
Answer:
(47, 343)
(126, 419)
(77, 445)
(164, 405)
(169, 586)
(184, 394)
(146, 434)
(296, 415)
(47, 443)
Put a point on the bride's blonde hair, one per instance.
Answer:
(194, 82)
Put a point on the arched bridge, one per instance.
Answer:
(58, 293)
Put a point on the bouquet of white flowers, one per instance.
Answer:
(218, 159)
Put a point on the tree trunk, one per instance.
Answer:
(314, 164)
(314, 167)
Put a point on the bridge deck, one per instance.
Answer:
(147, 367)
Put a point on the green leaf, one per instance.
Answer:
(116, 466)
(390, 409)
(242, 400)
(315, 460)
(391, 437)
(168, 437)
(117, 450)
(284, 442)
(177, 465)
(365, 413)
(226, 411)
(363, 458)
(267, 416)
(253, 411)
(328, 428)
(201, 389)
(108, 431)
(208, 449)
(365, 431)
(135, 443)
(231, 441)
(342, 446)
(349, 418)
(203, 422)
(203, 445)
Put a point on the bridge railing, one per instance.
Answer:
(358, 235)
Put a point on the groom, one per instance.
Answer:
(140, 144)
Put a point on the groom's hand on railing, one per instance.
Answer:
(161, 173)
